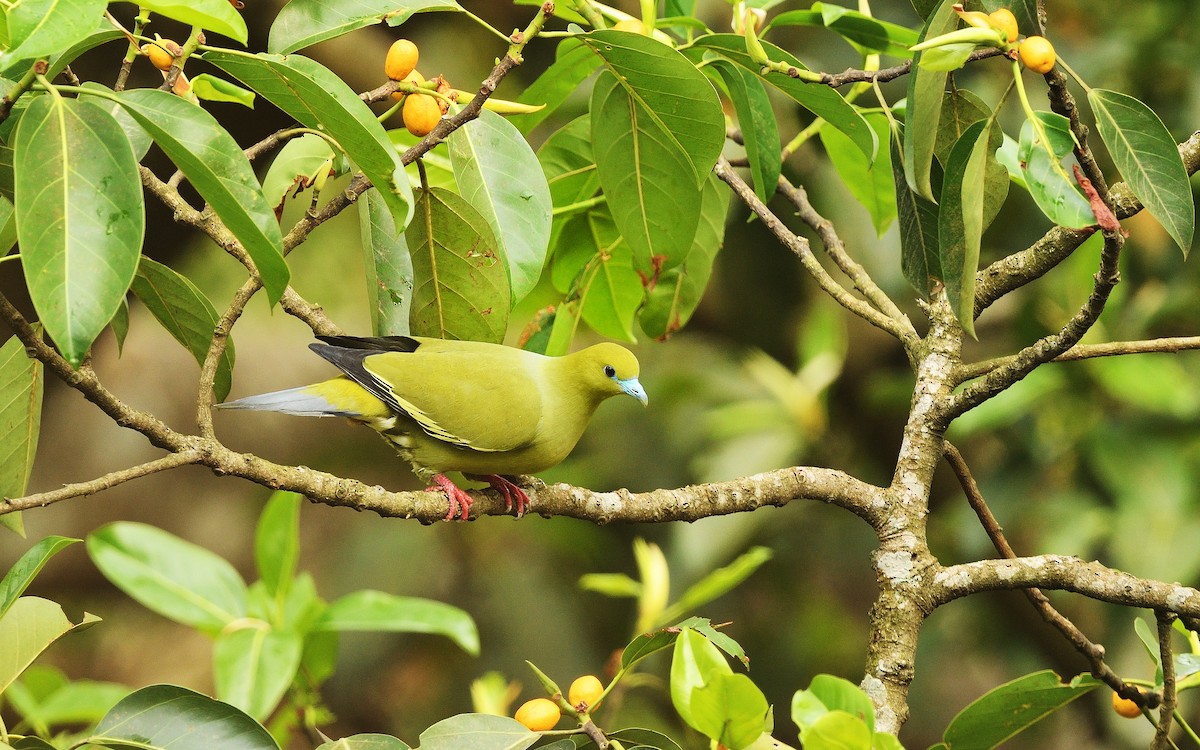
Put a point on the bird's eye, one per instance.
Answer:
(610, 371)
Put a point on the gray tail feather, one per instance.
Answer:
(292, 401)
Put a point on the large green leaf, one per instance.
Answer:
(670, 304)
(319, 99)
(918, 222)
(211, 15)
(960, 220)
(277, 541)
(388, 267)
(168, 717)
(822, 101)
(215, 165)
(595, 266)
(64, 57)
(176, 579)
(460, 283)
(1052, 188)
(26, 568)
(1011, 708)
(568, 164)
(41, 28)
(573, 63)
(365, 742)
(649, 183)
(253, 667)
(696, 662)
(294, 169)
(21, 384)
(1145, 153)
(302, 23)
(187, 315)
(676, 101)
(756, 119)
(864, 32)
(478, 732)
(386, 613)
(27, 629)
(870, 183)
(926, 88)
(961, 109)
(80, 217)
(498, 173)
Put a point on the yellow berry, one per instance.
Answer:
(421, 114)
(401, 59)
(632, 25)
(539, 714)
(413, 77)
(1038, 54)
(1006, 22)
(585, 690)
(1125, 707)
(158, 55)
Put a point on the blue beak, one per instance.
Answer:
(633, 388)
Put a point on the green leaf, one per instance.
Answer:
(295, 167)
(960, 221)
(45, 698)
(864, 32)
(926, 88)
(960, 110)
(671, 302)
(947, 57)
(838, 694)
(822, 101)
(187, 315)
(80, 217)
(59, 61)
(597, 267)
(388, 265)
(731, 710)
(1148, 159)
(460, 283)
(215, 165)
(836, 730)
(617, 585)
(1052, 188)
(918, 219)
(678, 101)
(718, 583)
(637, 737)
(365, 742)
(26, 568)
(302, 23)
(27, 629)
(253, 667)
(22, 381)
(41, 28)
(380, 612)
(169, 717)
(1006, 710)
(1149, 638)
(277, 541)
(871, 184)
(138, 137)
(696, 662)
(648, 182)
(573, 64)
(211, 15)
(213, 89)
(320, 100)
(498, 173)
(478, 732)
(756, 119)
(568, 164)
(174, 578)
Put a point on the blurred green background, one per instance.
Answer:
(1098, 459)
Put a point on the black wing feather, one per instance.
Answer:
(350, 361)
(373, 343)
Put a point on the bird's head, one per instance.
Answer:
(610, 370)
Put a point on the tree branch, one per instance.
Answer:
(106, 482)
(800, 246)
(883, 75)
(1167, 710)
(1091, 351)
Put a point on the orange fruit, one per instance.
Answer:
(421, 114)
(1038, 54)
(1005, 21)
(412, 77)
(585, 690)
(539, 714)
(1125, 707)
(158, 55)
(401, 59)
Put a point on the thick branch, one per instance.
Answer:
(1063, 573)
(801, 248)
(1167, 710)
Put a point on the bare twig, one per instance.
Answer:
(883, 75)
(106, 482)
(1091, 351)
(803, 251)
(1167, 710)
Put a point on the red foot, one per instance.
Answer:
(509, 491)
(458, 498)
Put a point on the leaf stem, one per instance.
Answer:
(485, 24)
(36, 71)
(579, 206)
(1078, 78)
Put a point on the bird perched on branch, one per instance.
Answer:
(486, 410)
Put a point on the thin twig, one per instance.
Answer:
(1091, 351)
(108, 481)
(1167, 710)
(1093, 652)
(800, 246)
(883, 75)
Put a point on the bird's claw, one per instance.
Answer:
(510, 492)
(460, 501)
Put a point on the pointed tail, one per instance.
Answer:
(302, 402)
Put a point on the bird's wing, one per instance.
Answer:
(483, 399)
